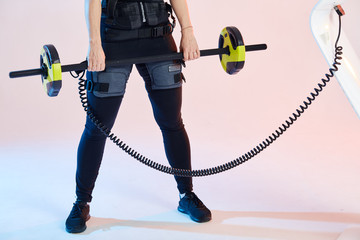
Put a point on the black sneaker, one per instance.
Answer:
(190, 204)
(79, 214)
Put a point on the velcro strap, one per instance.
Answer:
(177, 78)
(99, 87)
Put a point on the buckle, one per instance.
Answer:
(89, 85)
(155, 32)
(161, 31)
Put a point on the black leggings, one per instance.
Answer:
(166, 106)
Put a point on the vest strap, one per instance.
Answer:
(110, 5)
(113, 34)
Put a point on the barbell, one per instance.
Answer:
(231, 52)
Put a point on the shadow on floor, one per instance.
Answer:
(218, 226)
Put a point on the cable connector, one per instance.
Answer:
(339, 10)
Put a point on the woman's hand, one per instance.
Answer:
(96, 58)
(188, 44)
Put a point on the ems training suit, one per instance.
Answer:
(147, 20)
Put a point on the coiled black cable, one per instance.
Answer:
(227, 166)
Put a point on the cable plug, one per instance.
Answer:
(339, 10)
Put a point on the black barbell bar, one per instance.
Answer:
(172, 56)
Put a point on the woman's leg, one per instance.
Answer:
(92, 143)
(166, 104)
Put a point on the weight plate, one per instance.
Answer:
(234, 62)
(50, 63)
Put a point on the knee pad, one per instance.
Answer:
(165, 75)
(109, 83)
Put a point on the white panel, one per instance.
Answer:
(324, 25)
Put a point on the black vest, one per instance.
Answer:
(142, 27)
(134, 14)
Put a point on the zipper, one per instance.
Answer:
(142, 12)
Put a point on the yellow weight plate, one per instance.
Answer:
(50, 62)
(234, 62)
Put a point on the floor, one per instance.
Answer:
(296, 189)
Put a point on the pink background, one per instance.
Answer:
(231, 112)
(315, 163)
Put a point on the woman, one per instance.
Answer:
(131, 28)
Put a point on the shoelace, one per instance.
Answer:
(77, 211)
(193, 199)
